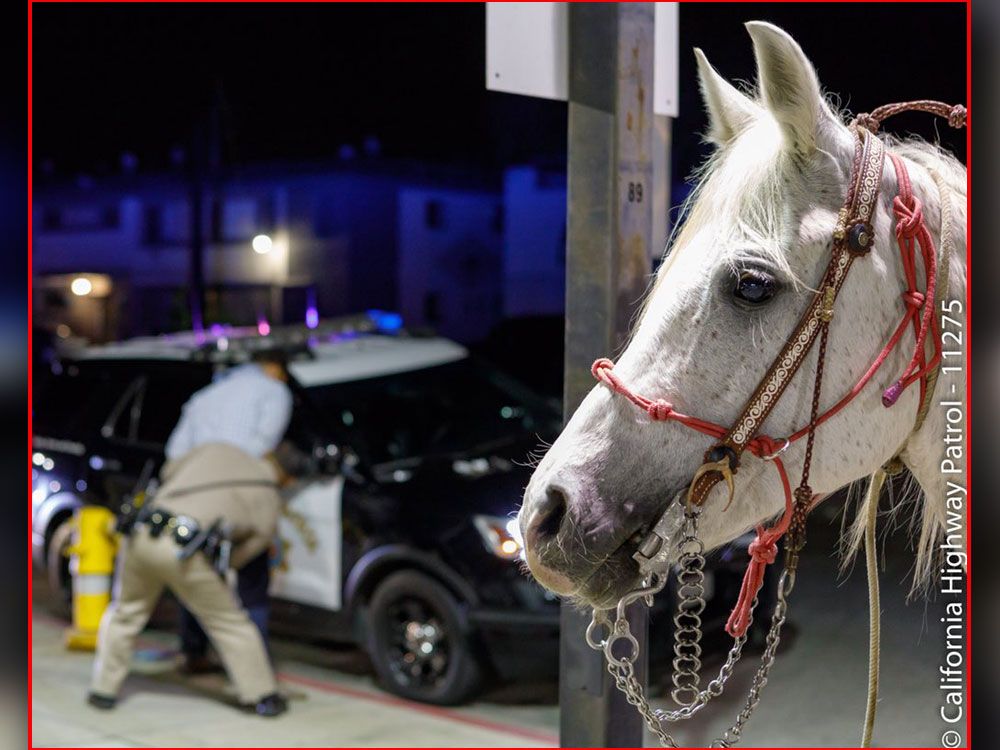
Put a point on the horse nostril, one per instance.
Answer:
(548, 516)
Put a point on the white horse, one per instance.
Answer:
(739, 274)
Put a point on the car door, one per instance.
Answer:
(307, 562)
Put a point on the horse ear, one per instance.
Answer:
(789, 86)
(729, 110)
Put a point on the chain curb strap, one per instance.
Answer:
(785, 585)
(623, 672)
(690, 605)
(621, 666)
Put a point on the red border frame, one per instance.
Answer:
(30, 376)
(421, 707)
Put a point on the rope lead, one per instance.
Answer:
(874, 606)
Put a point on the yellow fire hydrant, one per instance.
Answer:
(92, 565)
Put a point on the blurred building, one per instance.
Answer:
(534, 273)
(450, 260)
(454, 250)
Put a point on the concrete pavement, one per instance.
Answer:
(815, 697)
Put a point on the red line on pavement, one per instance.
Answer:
(446, 714)
(423, 708)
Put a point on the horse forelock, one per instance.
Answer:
(739, 196)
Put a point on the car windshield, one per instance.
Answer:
(76, 402)
(450, 409)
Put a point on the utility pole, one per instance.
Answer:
(205, 164)
(196, 259)
(609, 258)
(600, 58)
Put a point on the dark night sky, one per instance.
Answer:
(297, 81)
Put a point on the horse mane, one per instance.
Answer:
(927, 520)
(750, 185)
(749, 180)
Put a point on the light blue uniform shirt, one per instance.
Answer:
(244, 407)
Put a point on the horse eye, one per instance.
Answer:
(755, 287)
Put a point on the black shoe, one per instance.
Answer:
(269, 705)
(103, 702)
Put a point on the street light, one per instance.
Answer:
(81, 286)
(262, 244)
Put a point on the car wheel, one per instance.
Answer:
(417, 643)
(57, 570)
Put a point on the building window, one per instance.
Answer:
(433, 214)
(432, 308)
(80, 218)
(234, 219)
(152, 225)
(167, 223)
(240, 219)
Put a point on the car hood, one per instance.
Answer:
(489, 479)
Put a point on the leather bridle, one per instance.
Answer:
(853, 238)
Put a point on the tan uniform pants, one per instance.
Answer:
(147, 566)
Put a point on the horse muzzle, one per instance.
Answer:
(579, 545)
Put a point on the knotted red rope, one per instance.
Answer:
(660, 410)
(764, 548)
(910, 231)
(763, 551)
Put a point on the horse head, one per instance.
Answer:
(739, 273)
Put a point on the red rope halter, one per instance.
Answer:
(911, 231)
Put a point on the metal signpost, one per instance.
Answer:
(608, 261)
(601, 57)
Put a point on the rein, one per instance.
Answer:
(853, 238)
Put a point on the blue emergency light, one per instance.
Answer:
(386, 322)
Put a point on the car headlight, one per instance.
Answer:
(38, 496)
(39, 487)
(502, 536)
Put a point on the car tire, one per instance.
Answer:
(57, 571)
(417, 642)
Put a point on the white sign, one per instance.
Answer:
(665, 62)
(527, 51)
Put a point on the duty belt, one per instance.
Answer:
(190, 535)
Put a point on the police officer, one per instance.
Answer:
(217, 477)
(249, 407)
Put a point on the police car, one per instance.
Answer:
(403, 538)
